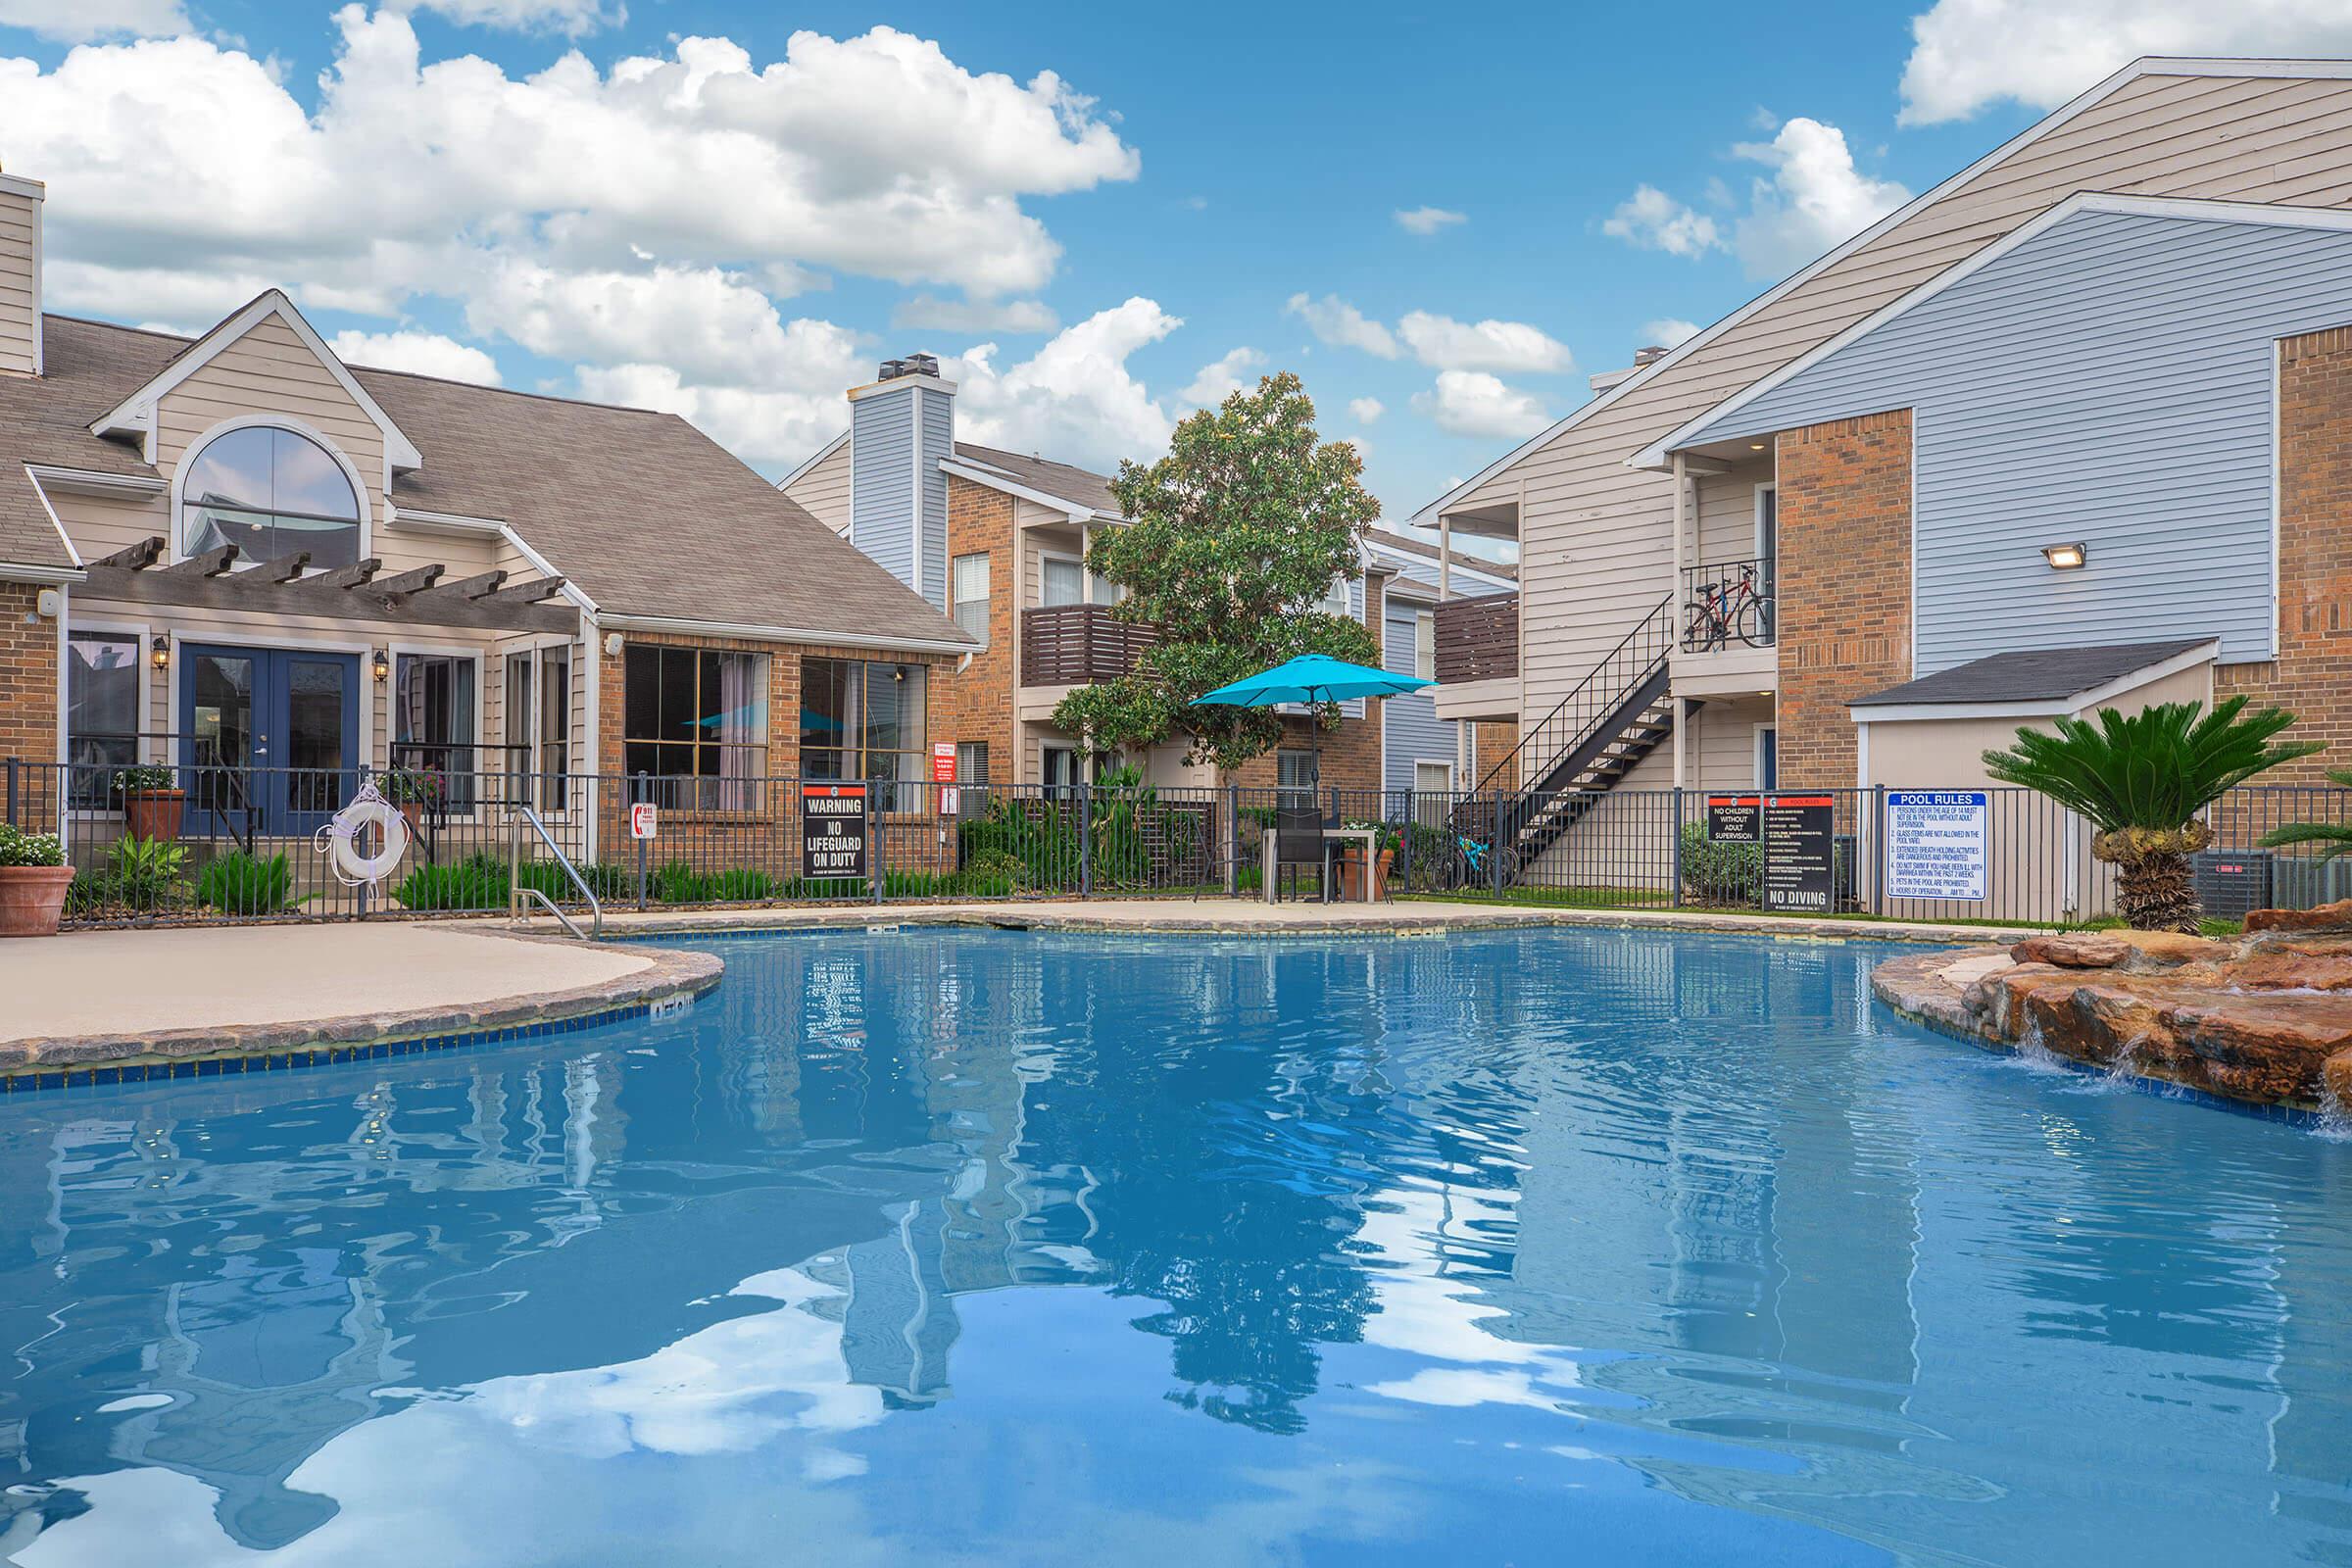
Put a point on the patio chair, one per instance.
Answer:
(1299, 841)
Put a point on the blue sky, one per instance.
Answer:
(737, 228)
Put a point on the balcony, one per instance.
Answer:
(1727, 617)
(1478, 639)
(1077, 645)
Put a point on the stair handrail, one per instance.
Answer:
(516, 892)
(1661, 615)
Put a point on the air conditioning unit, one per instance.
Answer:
(2305, 882)
(2232, 883)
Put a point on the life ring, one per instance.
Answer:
(352, 868)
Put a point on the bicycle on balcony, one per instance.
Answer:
(1741, 608)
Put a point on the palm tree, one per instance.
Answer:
(2142, 781)
(2337, 836)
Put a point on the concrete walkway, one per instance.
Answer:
(133, 982)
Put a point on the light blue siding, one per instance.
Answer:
(939, 445)
(882, 480)
(1415, 732)
(2112, 381)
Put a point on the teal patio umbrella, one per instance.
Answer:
(1311, 678)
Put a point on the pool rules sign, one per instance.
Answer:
(834, 825)
(1936, 842)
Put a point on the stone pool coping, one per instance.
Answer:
(1252, 917)
(668, 978)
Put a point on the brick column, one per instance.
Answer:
(977, 704)
(28, 685)
(1844, 585)
(2313, 673)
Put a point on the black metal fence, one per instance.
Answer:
(247, 844)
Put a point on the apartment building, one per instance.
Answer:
(1644, 524)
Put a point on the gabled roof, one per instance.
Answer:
(2055, 675)
(1721, 422)
(1082, 489)
(134, 413)
(647, 515)
(2145, 65)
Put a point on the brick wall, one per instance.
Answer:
(1844, 584)
(2312, 672)
(1491, 742)
(27, 676)
(977, 704)
(1352, 759)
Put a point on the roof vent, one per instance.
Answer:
(1642, 358)
(912, 364)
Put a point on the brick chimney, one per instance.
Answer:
(901, 426)
(19, 275)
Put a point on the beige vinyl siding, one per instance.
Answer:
(824, 490)
(19, 291)
(1597, 536)
(1726, 505)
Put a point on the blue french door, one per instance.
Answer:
(270, 737)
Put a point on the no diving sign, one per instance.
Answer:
(1935, 844)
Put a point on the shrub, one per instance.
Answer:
(742, 884)
(992, 874)
(677, 882)
(144, 873)
(20, 848)
(477, 882)
(239, 883)
(1719, 873)
(146, 777)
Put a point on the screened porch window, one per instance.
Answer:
(697, 721)
(433, 722)
(538, 720)
(862, 720)
(102, 714)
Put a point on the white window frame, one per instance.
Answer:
(1755, 754)
(391, 700)
(141, 634)
(1770, 556)
(536, 653)
(1046, 557)
(1425, 643)
(175, 536)
(956, 599)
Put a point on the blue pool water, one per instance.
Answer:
(962, 1248)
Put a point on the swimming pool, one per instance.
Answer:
(975, 1247)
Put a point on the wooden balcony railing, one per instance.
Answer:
(1073, 645)
(1478, 639)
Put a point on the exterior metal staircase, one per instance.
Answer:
(1617, 715)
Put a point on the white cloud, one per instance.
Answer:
(1969, 54)
(1075, 397)
(1652, 221)
(1340, 323)
(422, 353)
(1475, 404)
(1668, 331)
(924, 311)
(1450, 345)
(1814, 199)
(571, 18)
(77, 21)
(1427, 220)
(1366, 411)
(1221, 380)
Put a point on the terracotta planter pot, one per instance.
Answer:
(31, 897)
(413, 813)
(1351, 874)
(154, 813)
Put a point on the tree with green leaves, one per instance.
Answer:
(2140, 782)
(1236, 538)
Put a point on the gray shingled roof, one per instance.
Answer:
(645, 514)
(1408, 545)
(2037, 675)
(1054, 478)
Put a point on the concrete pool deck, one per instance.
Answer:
(115, 1000)
(127, 1005)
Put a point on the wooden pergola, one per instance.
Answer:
(486, 601)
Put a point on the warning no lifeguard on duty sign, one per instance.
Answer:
(834, 827)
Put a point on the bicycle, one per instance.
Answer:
(1470, 865)
(1723, 610)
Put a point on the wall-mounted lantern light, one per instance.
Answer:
(159, 652)
(380, 665)
(2065, 558)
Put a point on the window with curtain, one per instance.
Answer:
(695, 718)
(1295, 775)
(538, 724)
(102, 714)
(971, 593)
(1425, 644)
(433, 710)
(269, 492)
(1062, 581)
(862, 719)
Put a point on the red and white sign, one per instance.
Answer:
(943, 762)
(641, 820)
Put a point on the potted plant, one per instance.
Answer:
(152, 801)
(412, 789)
(33, 878)
(1351, 862)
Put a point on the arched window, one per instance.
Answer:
(269, 492)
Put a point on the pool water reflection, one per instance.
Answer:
(1004, 1247)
